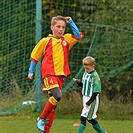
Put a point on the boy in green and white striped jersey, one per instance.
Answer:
(91, 88)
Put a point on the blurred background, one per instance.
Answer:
(108, 37)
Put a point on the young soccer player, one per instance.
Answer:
(91, 87)
(54, 49)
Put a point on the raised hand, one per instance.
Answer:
(68, 19)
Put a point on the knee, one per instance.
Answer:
(83, 120)
(92, 121)
(58, 97)
(56, 93)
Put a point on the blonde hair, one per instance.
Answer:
(57, 18)
(89, 60)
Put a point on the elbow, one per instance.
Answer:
(78, 36)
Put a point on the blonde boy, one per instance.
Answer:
(91, 88)
(54, 51)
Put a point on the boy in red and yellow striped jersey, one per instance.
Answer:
(55, 52)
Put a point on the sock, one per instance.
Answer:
(98, 128)
(81, 128)
(50, 121)
(52, 102)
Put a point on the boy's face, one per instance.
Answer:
(59, 28)
(88, 68)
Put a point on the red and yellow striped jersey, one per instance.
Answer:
(55, 52)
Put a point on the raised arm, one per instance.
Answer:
(73, 27)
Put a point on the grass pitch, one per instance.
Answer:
(27, 124)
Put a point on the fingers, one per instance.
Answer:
(76, 80)
(87, 106)
(30, 76)
(68, 19)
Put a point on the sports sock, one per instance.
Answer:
(98, 128)
(81, 128)
(50, 121)
(52, 102)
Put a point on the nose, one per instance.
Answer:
(61, 28)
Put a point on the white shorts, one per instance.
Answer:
(90, 111)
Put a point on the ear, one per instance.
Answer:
(51, 27)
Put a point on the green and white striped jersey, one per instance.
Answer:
(91, 83)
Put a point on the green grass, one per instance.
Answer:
(26, 123)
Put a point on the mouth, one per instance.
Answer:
(60, 33)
